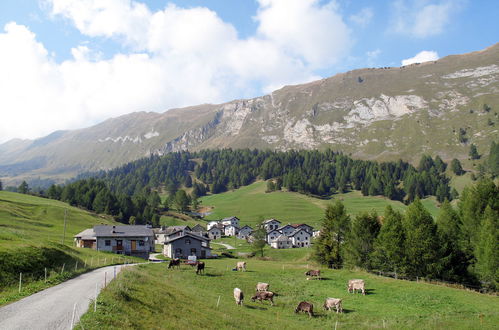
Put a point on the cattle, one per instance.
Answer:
(265, 295)
(174, 263)
(313, 273)
(305, 307)
(241, 265)
(356, 285)
(238, 296)
(262, 286)
(200, 268)
(333, 302)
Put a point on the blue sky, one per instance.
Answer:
(68, 64)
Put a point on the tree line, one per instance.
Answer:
(460, 246)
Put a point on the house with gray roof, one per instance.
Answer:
(128, 240)
(187, 245)
(245, 232)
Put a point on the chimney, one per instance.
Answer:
(114, 229)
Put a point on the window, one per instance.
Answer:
(108, 242)
(119, 242)
(141, 243)
(178, 251)
(193, 251)
(187, 241)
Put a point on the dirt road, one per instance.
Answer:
(53, 308)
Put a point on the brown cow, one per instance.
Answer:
(200, 267)
(238, 296)
(356, 285)
(241, 265)
(333, 302)
(266, 295)
(313, 273)
(305, 307)
(174, 263)
(262, 286)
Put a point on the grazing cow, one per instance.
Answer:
(200, 267)
(239, 296)
(333, 302)
(305, 307)
(313, 273)
(174, 263)
(262, 286)
(241, 265)
(265, 295)
(356, 285)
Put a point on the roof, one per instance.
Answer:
(246, 226)
(282, 227)
(215, 228)
(198, 227)
(122, 231)
(283, 238)
(230, 218)
(297, 231)
(87, 234)
(270, 220)
(194, 236)
(296, 225)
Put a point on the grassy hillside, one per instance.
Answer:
(152, 297)
(31, 241)
(251, 202)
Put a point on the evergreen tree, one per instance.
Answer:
(389, 246)
(188, 181)
(1, 185)
(335, 226)
(474, 152)
(155, 220)
(494, 159)
(132, 220)
(360, 240)
(422, 246)
(487, 252)
(454, 194)
(23, 188)
(181, 201)
(456, 167)
(259, 239)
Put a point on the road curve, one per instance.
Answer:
(52, 308)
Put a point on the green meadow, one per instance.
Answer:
(153, 297)
(32, 241)
(250, 203)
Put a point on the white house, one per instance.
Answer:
(271, 224)
(272, 236)
(244, 232)
(300, 238)
(231, 230)
(214, 233)
(282, 242)
(234, 221)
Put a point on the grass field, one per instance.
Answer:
(152, 297)
(251, 202)
(31, 239)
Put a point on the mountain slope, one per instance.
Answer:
(385, 113)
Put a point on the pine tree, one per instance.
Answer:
(456, 167)
(474, 152)
(23, 188)
(360, 240)
(487, 252)
(259, 239)
(335, 226)
(422, 246)
(1, 185)
(494, 159)
(181, 201)
(389, 246)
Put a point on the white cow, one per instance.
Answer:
(241, 265)
(333, 302)
(262, 286)
(356, 285)
(238, 296)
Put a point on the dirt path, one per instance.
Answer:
(227, 246)
(53, 308)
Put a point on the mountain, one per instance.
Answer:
(435, 107)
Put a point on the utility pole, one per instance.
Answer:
(64, 233)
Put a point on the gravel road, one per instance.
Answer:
(53, 308)
(227, 246)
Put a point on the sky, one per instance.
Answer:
(69, 64)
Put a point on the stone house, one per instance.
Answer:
(282, 242)
(214, 233)
(234, 221)
(272, 236)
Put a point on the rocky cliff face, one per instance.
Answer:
(385, 113)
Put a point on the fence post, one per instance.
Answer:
(335, 325)
(20, 281)
(114, 271)
(76, 266)
(45, 274)
(218, 301)
(62, 270)
(105, 279)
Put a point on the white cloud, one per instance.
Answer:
(175, 57)
(423, 18)
(364, 17)
(423, 56)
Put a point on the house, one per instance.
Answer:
(214, 233)
(211, 224)
(287, 229)
(198, 229)
(272, 236)
(300, 238)
(128, 240)
(245, 232)
(282, 242)
(187, 245)
(231, 230)
(271, 224)
(170, 232)
(304, 226)
(234, 221)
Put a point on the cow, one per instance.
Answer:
(238, 296)
(262, 286)
(313, 273)
(305, 307)
(174, 263)
(333, 302)
(241, 265)
(265, 295)
(200, 268)
(356, 285)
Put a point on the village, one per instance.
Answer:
(182, 242)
